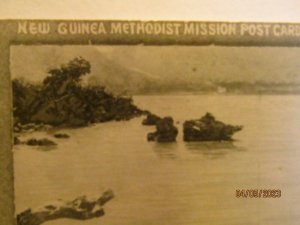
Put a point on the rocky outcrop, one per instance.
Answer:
(16, 140)
(151, 119)
(40, 142)
(61, 135)
(80, 208)
(165, 131)
(208, 128)
(30, 127)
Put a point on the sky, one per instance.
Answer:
(194, 63)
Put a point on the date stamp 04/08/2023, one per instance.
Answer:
(258, 193)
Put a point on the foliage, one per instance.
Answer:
(61, 100)
(24, 94)
(66, 77)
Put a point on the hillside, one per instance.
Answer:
(170, 69)
(106, 72)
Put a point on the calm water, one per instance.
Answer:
(178, 183)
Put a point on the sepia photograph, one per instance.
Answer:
(149, 112)
(155, 135)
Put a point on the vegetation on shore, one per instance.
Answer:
(61, 99)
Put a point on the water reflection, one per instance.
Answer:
(44, 148)
(211, 149)
(166, 150)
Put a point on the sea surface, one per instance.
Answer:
(177, 183)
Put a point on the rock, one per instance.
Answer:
(40, 142)
(16, 141)
(208, 128)
(29, 126)
(61, 135)
(46, 127)
(80, 208)
(151, 136)
(151, 119)
(17, 129)
(165, 131)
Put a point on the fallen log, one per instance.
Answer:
(80, 208)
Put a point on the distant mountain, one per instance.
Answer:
(32, 63)
(170, 69)
(118, 78)
(211, 63)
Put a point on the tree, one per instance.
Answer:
(62, 101)
(24, 94)
(60, 80)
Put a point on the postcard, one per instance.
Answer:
(149, 122)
